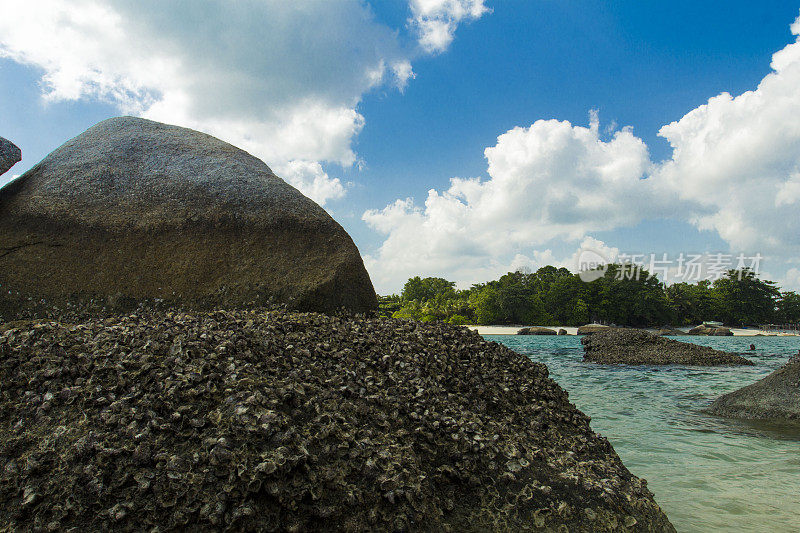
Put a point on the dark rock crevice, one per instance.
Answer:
(10, 250)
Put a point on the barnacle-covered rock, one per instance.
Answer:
(266, 420)
(622, 346)
(775, 397)
(10, 155)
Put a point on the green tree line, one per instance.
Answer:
(556, 296)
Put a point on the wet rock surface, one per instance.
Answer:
(10, 155)
(636, 347)
(133, 210)
(775, 397)
(536, 330)
(270, 420)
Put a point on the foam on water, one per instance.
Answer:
(707, 473)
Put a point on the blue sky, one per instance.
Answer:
(569, 98)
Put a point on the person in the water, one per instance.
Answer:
(752, 347)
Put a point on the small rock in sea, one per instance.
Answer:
(10, 155)
(775, 397)
(711, 331)
(636, 347)
(591, 328)
(312, 422)
(669, 331)
(562, 331)
(536, 330)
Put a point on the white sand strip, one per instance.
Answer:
(512, 330)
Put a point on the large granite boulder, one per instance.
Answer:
(134, 210)
(562, 331)
(10, 155)
(637, 347)
(669, 331)
(775, 397)
(275, 421)
(536, 330)
(710, 331)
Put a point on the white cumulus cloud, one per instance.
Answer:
(739, 157)
(281, 79)
(791, 281)
(549, 181)
(435, 21)
(735, 169)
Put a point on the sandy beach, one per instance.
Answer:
(571, 330)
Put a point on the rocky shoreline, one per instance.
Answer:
(272, 420)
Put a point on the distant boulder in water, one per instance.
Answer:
(668, 331)
(592, 328)
(134, 210)
(536, 330)
(10, 155)
(562, 331)
(711, 331)
(775, 397)
(636, 347)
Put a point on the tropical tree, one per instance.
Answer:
(423, 289)
(788, 311)
(745, 299)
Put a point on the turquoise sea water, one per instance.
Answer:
(707, 473)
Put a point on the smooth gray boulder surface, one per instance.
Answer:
(775, 397)
(636, 347)
(133, 210)
(10, 155)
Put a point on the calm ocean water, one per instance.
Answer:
(707, 473)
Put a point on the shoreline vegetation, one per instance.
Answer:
(551, 295)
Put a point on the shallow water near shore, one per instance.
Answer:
(707, 473)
